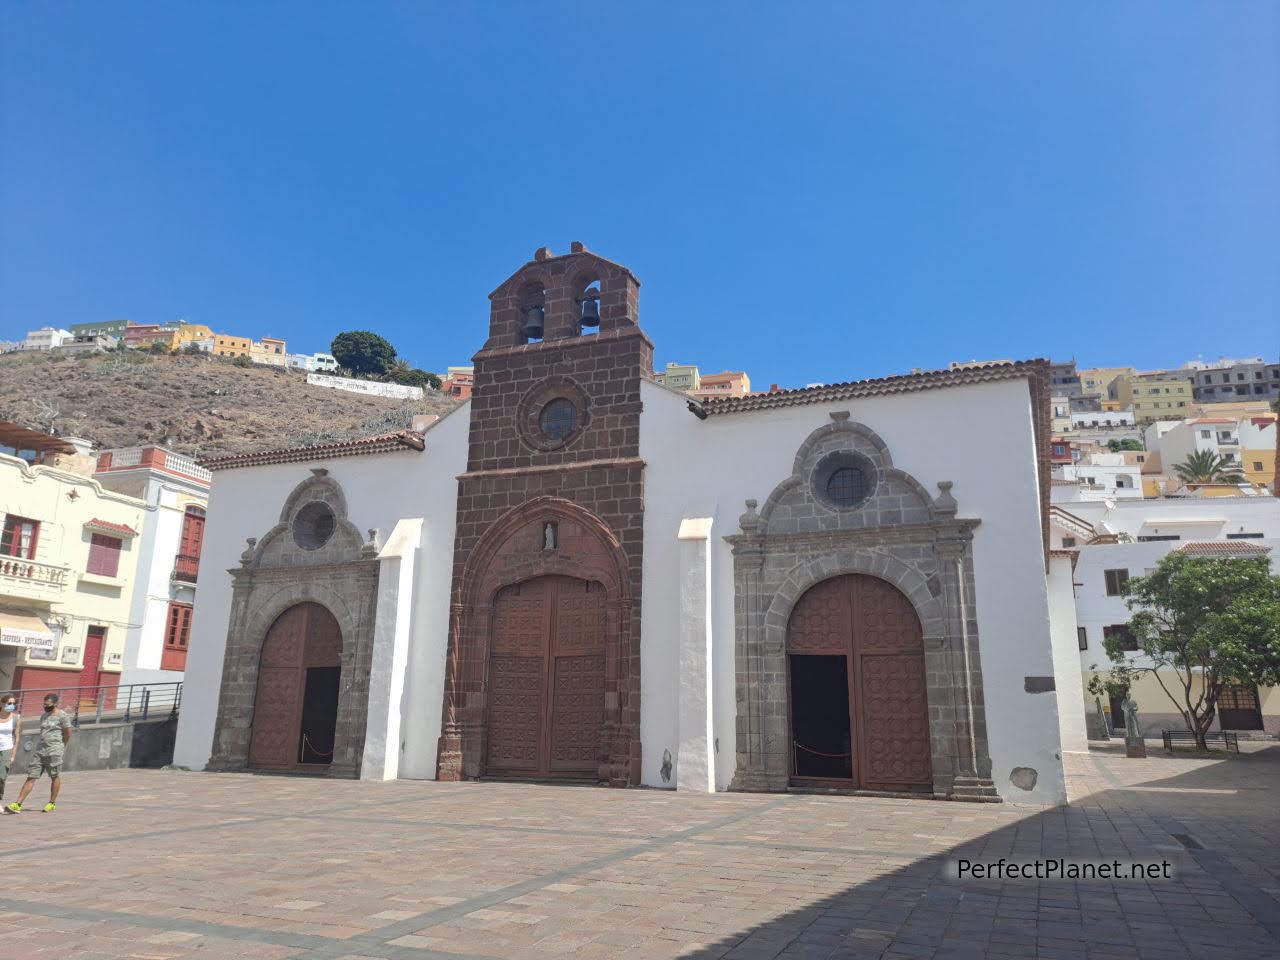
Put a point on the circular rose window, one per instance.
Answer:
(313, 525)
(558, 418)
(844, 480)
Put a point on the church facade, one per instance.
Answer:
(582, 575)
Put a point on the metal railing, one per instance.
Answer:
(104, 704)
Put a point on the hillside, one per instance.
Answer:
(197, 405)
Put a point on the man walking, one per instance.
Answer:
(55, 732)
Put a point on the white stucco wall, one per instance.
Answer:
(381, 489)
(1068, 681)
(710, 468)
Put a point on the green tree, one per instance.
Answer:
(1205, 466)
(363, 352)
(401, 372)
(1208, 622)
(1115, 446)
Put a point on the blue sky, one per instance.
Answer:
(810, 192)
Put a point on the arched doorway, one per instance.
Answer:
(546, 679)
(296, 706)
(856, 687)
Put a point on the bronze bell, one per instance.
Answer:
(532, 327)
(590, 311)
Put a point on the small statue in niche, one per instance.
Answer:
(548, 536)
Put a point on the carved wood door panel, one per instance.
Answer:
(517, 664)
(303, 636)
(546, 679)
(874, 625)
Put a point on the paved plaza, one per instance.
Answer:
(166, 865)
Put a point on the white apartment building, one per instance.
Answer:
(1115, 541)
(1101, 419)
(1178, 439)
(1098, 476)
(46, 338)
(176, 491)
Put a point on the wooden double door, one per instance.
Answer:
(295, 710)
(546, 679)
(858, 710)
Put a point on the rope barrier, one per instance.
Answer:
(819, 753)
(306, 743)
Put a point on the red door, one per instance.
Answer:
(92, 662)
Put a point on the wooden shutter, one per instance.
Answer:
(104, 555)
(177, 633)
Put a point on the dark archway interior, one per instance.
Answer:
(821, 742)
(319, 715)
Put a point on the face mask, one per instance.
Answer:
(10, 707)
(48, 708)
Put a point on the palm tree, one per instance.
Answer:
(398, 369)
(1205, 466)
(1275, 475)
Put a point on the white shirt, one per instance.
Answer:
(6, 731)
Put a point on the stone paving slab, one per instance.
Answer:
(160, 865)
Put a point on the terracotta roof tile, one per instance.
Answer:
(106, 526)
(1223, 548)
(879, 386)
(382, 443)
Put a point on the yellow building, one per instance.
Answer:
(269, 350)
(1232, 409)
(1153, 396)
(1258, 449)
(188, 333)
(225, 345)
(1096, 382)
(69, 549)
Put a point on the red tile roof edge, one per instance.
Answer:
(1211, 547)
(382, 443)
(112, 527)
(852, 389)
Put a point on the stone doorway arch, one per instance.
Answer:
(857, 705)
(295, 711)
(544, 537)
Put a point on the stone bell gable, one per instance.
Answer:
(553, 449)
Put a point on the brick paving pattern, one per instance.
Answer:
(168, 866)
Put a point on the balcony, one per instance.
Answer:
(30, 579)
(185, 568)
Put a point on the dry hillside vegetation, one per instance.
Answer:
(197, 405)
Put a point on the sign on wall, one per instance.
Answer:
(372, 388)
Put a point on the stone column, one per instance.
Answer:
(695, 760)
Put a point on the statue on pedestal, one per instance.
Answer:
(1134, 745)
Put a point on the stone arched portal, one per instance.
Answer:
(892, 530)
(296, 704)
(858, 709)
(539, 546)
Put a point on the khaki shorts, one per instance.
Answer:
(43, 764)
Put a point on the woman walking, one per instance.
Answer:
(10, 735)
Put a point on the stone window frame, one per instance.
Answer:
(275, 574)
(901, 535)
(535, 399)
(827, 467)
